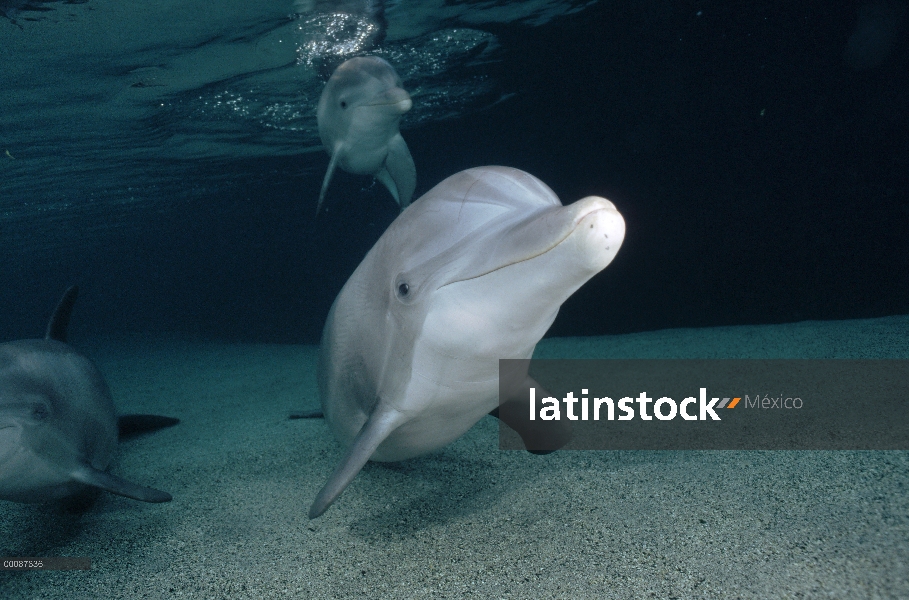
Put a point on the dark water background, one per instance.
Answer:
(762, 170)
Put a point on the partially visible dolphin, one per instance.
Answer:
(359, 115)
(473, 272)
(58, 429)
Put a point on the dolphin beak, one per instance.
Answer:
(397, 98)
(598, 233)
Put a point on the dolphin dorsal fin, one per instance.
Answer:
(59, 321)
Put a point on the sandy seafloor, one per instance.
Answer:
(470, 520)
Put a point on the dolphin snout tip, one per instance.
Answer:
(599, 208)
(601, 230)
(593, 203)
(401, 103)
(397, 98)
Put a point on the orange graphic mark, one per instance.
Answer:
(733, 403)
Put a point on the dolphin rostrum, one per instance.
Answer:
(58, 429)
(473, 272)
(359, 115)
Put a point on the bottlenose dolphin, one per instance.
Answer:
(58, 429)
(359, 115)
(473, 272)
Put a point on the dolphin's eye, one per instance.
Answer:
(343, 104)
(40, 411)
(403, 288)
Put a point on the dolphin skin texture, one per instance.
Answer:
(473, 272)
(359, 116)
(58, 429)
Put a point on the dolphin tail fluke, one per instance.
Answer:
(373, 433)
(59, 321)
(399, 174)
(115, 485)
(132, 425)
(332, 165)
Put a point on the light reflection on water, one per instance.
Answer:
(140, 111)
(276, 109)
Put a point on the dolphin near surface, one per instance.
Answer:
(359, 116)
(58, 428)
(474, 271)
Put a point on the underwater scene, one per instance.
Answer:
(259, 262)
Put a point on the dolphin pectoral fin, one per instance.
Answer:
(539, 437)
(59, 321)
(115, 485)
(400, 170)
(373, 433)
(129, 426)
(332, 165)
(307, 414)
(385, 177)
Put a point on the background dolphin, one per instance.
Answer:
(58, 430)
(359, 114)
(474, 271)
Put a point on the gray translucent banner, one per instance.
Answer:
(682, 404)
(53, 563)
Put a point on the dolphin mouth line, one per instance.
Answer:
(404, 104)
(574, 228)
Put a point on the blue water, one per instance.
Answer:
(164, 155)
